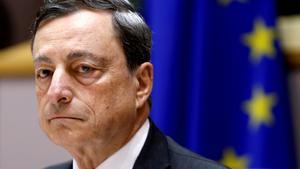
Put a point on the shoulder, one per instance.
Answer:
(64, 165)
(181, 158)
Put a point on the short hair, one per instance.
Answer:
(133, 32)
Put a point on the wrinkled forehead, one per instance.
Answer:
(81, 24)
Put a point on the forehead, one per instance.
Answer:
(83, 27)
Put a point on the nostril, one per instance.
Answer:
(64, 100)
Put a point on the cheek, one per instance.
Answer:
(40, 97)
(39, 93)
(106, 97)
(103, 99)
(114, 100)
(41, 104)
(42, 86)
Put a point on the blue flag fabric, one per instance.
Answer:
(219, 83)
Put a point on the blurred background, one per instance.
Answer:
(227, 81)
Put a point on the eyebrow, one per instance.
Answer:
(42, 58)
(82, 54)
(76, 54)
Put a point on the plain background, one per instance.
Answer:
(22, 143)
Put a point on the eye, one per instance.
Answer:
(86, 73)
(84, 69)
(43, 73)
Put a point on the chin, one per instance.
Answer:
(62, 140)
(68, 139)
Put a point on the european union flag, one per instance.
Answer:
(220, 85)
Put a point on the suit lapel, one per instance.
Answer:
(154, 154)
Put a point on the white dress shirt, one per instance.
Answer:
(125, 157)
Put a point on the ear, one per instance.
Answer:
(144, 77)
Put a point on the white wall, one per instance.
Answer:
(22, 143)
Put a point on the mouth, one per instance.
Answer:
(64, 118)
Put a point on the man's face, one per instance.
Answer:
(85, 91)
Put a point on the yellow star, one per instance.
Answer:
(228, 2)
(259, 108)
(233, 161)
(260, 41)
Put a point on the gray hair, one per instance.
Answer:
(134, 33)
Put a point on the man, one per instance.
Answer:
(93, 83)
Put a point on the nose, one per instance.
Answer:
(60, 88)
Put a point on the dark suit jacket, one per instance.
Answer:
(161, 152)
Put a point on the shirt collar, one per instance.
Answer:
(125, 157)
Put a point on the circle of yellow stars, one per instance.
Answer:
(259, 107)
